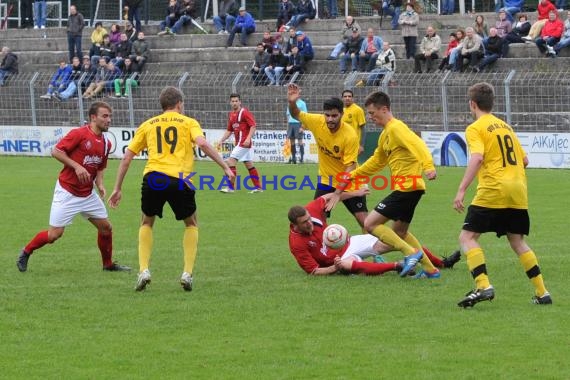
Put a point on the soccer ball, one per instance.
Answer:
(335, 236)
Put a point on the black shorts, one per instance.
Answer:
(499, 220)
(354, 204)
(157, 189)
(293, 131)
(400, 205)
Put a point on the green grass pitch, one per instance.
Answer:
(253, 313)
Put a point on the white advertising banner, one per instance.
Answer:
(544, 149)
(269, 146)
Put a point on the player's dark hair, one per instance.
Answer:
(234, 95)
(378, 99)
(333, 104)
(349, 91)
(483, 94)
(296, 212)
(94, 109)
(169, 98)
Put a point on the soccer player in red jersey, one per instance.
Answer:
(242, 124)
(83, 152)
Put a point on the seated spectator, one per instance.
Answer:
(268, 41)
(451, 44)
(260, 62)
(115, 35)
(305, 11)
(480, 26)
(59, 80)
(543, 9)
(370, 50)
(122, 50)
(348, 26)
(244, 25)
(460, 35)
(519, 32)
(97, 34)
(9, 65)
(90, 72)
(493, 50)
(305, 46)
(104, 50)
(128, 80)
(503, 25)
(73, 80)
(429, 50)
(550, 34)
(565, 39)
(172, 15)
(291, 40)
(285, 12)
(511, 8)
(130, 31)
(296, 63)
(104, 79)
(139, 51)
(385, 63)
(471, 49)
(393, 8)
(227, 12)
(277, 63)
(351, 52)
(188, 12)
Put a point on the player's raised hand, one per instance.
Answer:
(293, 92)
(431, 175)
(332, 199)
(115, 199)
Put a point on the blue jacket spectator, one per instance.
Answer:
(245, 24)
(59, 80)
(305, 10)
(74, 76)
(305, 46)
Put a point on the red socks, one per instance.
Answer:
(105, 243)
(37, 242)
(436, 261)
(254, 175)
(365, 267)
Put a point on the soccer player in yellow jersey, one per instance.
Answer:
(169, 139)
(354, 115)
(337, 144)
(408, 157)
(500, 204)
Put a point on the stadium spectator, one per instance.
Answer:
(511, 8)
(348, 26)
(332, 9)
(276, 65)
(188, 13)
(492, 209)
(351, 52)
(393, 9)
(519, 32)
(83, 152)
(471, 49)
(284, 13)
(305, 46)
(40, 13)
(133, 10)
(337, 145)
(122, 50)
(139, 51)
(369, 50)
(409, 22)
(74, 76)
(170, 162)
(9, 65)
(75, 24)
(550, 34)
(305, 11)
(385, 63)
(306, 243)
(104, 78)
(456, 51)
(480, 26)
(59, 80)
(172, 16)
(295, 64)
(353, 115)
(227, 13)
(493, 50)
(129, 79)
(295, 132)
(448, 7)
(451, 44)
(543, 9)
(104, 50)
(244, 25)
(291, 41)
(115, 34)
(407, 156)
(26, 14)
(260, 62)
(429, 50)
(241, 124)
(98, 33)
(503, 25)
(131, 32)
(565, 39)
(268, 41)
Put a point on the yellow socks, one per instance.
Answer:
(530, 265)
(427, 265)
(388, 236)
(145, 246)
(190, 244)
(477, 267)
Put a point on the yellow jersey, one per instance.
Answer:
(501, 178)
(336, 150)
(169, 139)
(405, 153)
(355, 116)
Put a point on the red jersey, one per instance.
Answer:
(240, 123)
(89, 150)
(309, 250)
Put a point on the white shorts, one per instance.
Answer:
(360, 247)
(242, 154)
(65, 206)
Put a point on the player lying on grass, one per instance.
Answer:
(306, 244)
